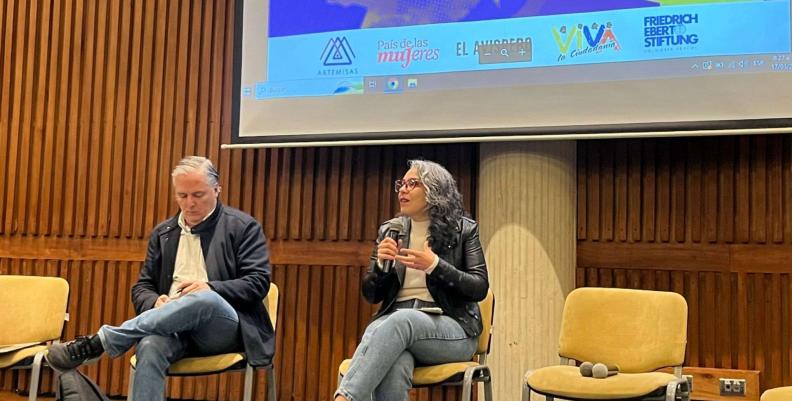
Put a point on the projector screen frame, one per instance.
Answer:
(565, 132)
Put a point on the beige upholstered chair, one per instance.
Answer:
(640, 331)
(778, 394)
(32, 314)
(206, 365)
(458, 373)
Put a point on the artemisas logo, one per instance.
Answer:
(337, 51)
(337, 58)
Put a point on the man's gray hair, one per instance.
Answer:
(192, 164)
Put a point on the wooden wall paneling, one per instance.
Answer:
(120, 92)
(694, 185)
(308, 199)
(775, 189)
(345, 197)
(334, 193)
(99, 100)
(743, 191)
(194, 14)
(13, 119)
(313, 330)
(7, 16)
(663, 172)
(582, 193)
(205, 62)
(271, 193)
(786, 323)
(109, 172)
(726, 195)
(84, 120)
(284, 178)
(786, 177)
(706, 327)
(621, 207)
(389, 199)
(361, 171)
(593, 216)
(144, 19)
(678, 192)
(372, 205)
(606, 195)
(634, 204)
(24, 116)
(217, 74)
(758, 190)
(723, 340)
(648, 184)
(774, 369)
(710, 190)
(40, 139)
(727, 250)
(295, 194)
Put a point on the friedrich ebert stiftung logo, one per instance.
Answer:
(670, 32)
(336, 56)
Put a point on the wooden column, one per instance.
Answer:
(527, 199)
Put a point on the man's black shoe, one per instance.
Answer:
(67, 356)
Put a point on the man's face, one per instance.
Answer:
(195, 197)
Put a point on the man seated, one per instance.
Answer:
(200, 289)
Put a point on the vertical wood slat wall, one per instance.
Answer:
(98, 100)
(709, 218)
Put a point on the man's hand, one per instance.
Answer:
(420, 260)
(189, 287)
(162, 300)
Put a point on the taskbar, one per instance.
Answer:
(528, 76)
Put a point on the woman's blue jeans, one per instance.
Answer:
(391, 347)
(203, 322)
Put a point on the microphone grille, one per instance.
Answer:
(396, 224)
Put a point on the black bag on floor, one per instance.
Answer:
(75, 386)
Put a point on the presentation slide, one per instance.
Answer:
(347, 69)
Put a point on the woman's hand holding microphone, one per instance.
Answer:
(388, 249)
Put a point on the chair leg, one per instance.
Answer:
(467, 390)
(35, 376)
(131, 383)
(56, 381)
(467, 385)
(488, 389)
(526, 393)
(272, 390)
(248, 396)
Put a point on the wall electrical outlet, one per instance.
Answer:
(732, 386)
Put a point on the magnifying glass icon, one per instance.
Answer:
(504, 53)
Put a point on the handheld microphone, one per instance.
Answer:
(395, 228)
(601, 370)
(586, 368)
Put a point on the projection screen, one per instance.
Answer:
(409, 71)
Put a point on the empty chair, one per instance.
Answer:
(639, 331)
(33, 314)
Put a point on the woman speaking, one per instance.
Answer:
(429, 279)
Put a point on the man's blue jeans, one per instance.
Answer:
(201, 321)
(393, 344)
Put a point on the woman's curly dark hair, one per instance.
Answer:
(444, 202)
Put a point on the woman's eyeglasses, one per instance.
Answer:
(409, 184)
